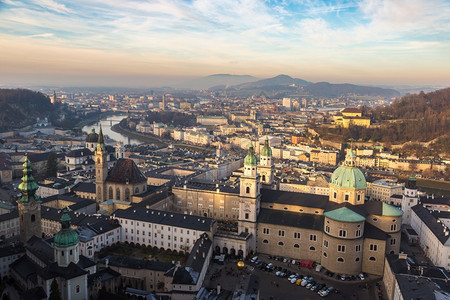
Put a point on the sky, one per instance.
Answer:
(140, 43)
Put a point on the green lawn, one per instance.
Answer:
(142, 253)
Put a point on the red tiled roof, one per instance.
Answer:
(350, 110)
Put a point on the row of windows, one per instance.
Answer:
(312, 237)
(343, 233)
(156, 227)
(312, 248)
(341, 259)
(347, 197)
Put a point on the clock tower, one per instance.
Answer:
(250, 196)
(101, 168)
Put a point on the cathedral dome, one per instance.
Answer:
(66, 237)
(92, 137)
(266, 150)
(250, 159)
(348, 176)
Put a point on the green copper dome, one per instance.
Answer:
(66, 237)
(250, 159)
(266, 150)
(348, 176)
(92, 137)
(28, 187)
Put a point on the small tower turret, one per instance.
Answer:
(410, 198)
(29, 205)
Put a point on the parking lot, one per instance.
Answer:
(275, 287)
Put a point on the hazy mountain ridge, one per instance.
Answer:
(217, 80)
(326, 89)
(20, 107)
(285, 85)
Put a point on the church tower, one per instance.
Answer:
(120, 150)
(410, 198)
(101, 167)
(250, 196)
(29, 205)
(265, 167)
(66, 243)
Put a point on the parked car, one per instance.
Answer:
(361, 276)
(327, 291)
(315, 287)
(344, 277)
(254, 259)
(310, 284)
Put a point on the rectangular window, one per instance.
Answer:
(373, 247)
(313, 237)
(327, 228)
(281, 232)
(358, 232)
(296, 235)
(393, 227)
(346, 197)
(342, 233)
(325, 243)
(392, 242)
(358, 248)
(266, 230)
(246, 216)
(341, 248)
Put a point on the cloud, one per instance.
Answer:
(53, 6)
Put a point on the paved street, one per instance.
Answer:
(273, 287)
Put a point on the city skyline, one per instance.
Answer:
(153, 43)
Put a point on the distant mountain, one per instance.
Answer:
(21, 107)
(280, 80)
(325, 89)
(217, 80)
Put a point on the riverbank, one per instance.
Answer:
(94, 119)
(155, 140)
(138, 136)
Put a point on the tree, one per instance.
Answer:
(52, 165)
(55, 294)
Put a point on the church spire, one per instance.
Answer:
(28, 187)
(100, 137)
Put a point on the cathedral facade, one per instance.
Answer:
(341, 231)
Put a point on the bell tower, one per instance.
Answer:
(101, 168)
(265, 164)
(250, 196)
(29, 205)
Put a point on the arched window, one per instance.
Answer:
(127, 194)
(340, 259)
(372, 258)
(33, 218)
(265, 241)
(312, 248)
(247, 190)
(117, 194)
(280, 244)
(357, 259)
(264, 178)
(78, 289)
(111, 196)
(296, 246)
(325, 254)
(136, 190)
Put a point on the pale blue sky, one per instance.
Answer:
(148, 43)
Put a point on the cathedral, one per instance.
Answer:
(342, 231)
(121, 182)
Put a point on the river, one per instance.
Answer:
(106, 128)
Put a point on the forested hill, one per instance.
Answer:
(20, 107)
(434, 105)
(417, 118)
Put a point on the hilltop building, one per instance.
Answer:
(351, 116)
